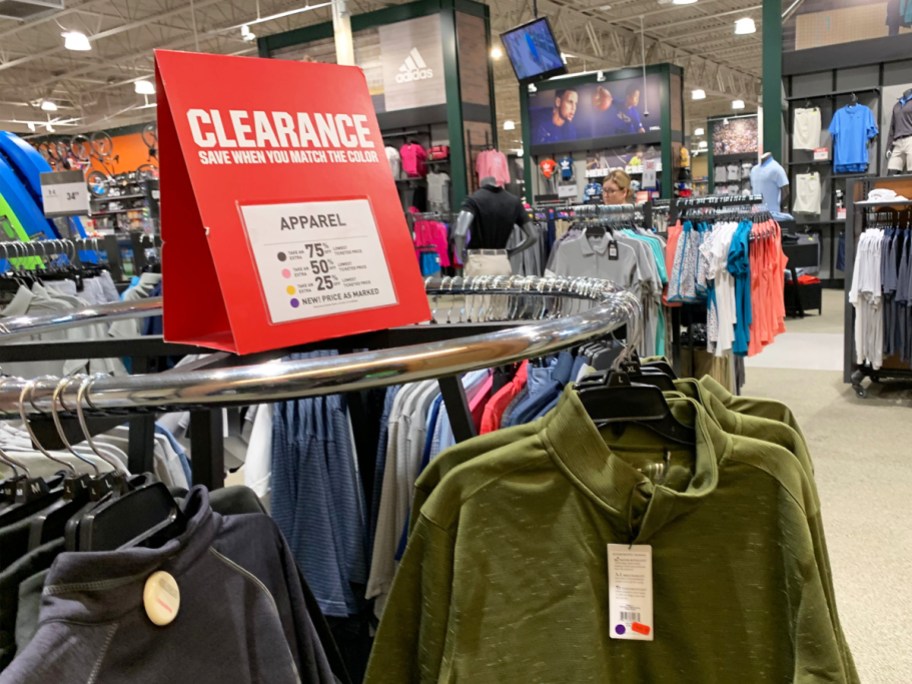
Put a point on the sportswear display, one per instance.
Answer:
(566, 168)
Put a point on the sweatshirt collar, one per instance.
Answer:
(100, 586)
(637, 506)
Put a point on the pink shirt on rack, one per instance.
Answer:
(413, 157)
(493, 163)
(433, 233)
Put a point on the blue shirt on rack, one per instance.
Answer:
(852, 127)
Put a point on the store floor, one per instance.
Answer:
(863, 464)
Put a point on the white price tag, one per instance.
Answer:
(568, 191)
(630, 592)
(64, 193)
(318, 258)
(650, 169)
(821, 154)
(840, 213)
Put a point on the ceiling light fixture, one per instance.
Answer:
(683, 2)
(699, 131)
(509, 125)
(532, 89)
(247, 35)
(703, 145)
(698, 94)
(76, 40)
(49, 128)
(737, 104)
(496, 52)
(48, 106)
(744, 26)
(280, 15)
(144, 87)
(31, 126)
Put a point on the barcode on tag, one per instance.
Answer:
(627, 616)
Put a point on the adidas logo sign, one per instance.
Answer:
(414, 68)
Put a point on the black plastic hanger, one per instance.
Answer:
(611, 398)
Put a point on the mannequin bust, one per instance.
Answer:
(899, 138)
(758, 187)
(492, 214)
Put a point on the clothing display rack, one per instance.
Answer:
(690, 315)
(433, 351)
(888, 362)
(77, 249)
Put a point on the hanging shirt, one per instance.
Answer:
(548, 167)
(597, 257)
(566, 168)
(438, 191)
(493, 164)
(438, 623)
(852, 127)
(91, 597)
(413, 160)
(394, 161)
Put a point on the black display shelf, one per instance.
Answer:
(838, 93)
(118, 197)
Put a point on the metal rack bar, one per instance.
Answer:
(17, 327)
(346, 373)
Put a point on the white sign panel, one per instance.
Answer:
(412, 59)
(568, 191)
(64, 193)
(650, 169)
(318, 258)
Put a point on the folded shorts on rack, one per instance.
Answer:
(807, 193)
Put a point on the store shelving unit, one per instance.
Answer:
(829, 91)
(130, 204)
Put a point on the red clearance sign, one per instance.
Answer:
(280, 218)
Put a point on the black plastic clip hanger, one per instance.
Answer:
(612, 398)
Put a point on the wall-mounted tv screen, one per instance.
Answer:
(533, 51)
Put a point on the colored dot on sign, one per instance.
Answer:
(286, 273)
(282, 256)
(620, 629)
(290, 289)
(640, 628)
(295, 303)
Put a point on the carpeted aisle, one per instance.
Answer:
(862, 451)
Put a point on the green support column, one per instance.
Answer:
(772, 77)
(458, 165)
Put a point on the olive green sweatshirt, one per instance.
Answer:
(505, 575)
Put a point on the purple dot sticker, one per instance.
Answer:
(286, 273)
(620, 629)
(295, 303)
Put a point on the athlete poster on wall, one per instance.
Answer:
(593, 111)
